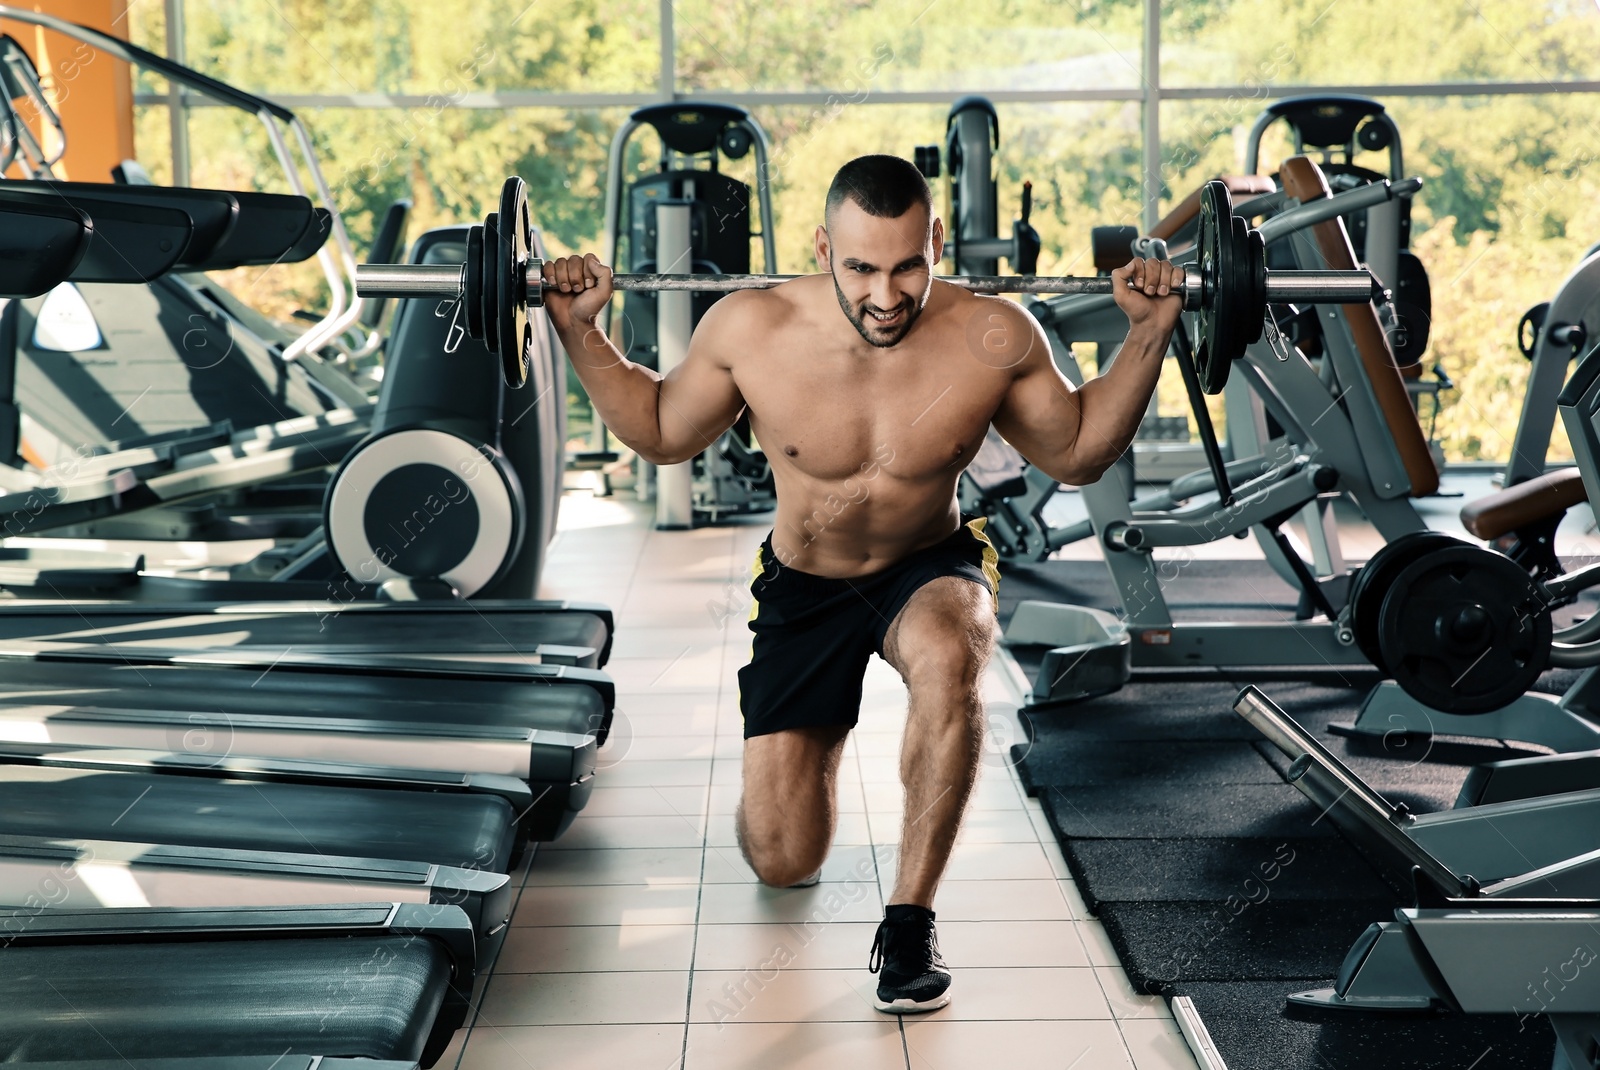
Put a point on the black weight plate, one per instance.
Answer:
(1371, 584)
(1464, 630)
(1257, 248)
(491, 283)
(1212, 246)
(472, 294)
(516, 237)
(1413, 304)
(1244, 324)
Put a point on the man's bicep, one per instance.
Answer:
(1040, 414)
(699, 398)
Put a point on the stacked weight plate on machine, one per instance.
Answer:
(1462, 629)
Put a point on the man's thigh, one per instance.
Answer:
(790, 775)
(944, 632)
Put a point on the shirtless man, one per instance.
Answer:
(870, 389)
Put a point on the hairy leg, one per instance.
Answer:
(939, 643)
(789, 806)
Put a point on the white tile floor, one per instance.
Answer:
(642, 940)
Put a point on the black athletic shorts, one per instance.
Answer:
(814, 634)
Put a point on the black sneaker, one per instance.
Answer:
(912, 978)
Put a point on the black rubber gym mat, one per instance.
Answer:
(1257, 1030)
(1163, 852)
(1066, 758)
(1428, 772)
(1214, 870)
(1182, 810)
(1170, 944)
(1159, 711)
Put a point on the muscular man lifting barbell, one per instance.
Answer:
(868, 417)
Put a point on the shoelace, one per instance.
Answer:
(875, 957)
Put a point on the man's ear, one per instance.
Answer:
(938, 241)
(822, 249)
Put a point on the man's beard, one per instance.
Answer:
(872, 333)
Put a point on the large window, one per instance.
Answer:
(1111, 117)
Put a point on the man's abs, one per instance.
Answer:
(858, 526)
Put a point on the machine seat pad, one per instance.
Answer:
(1186, 211)
(1506, 510)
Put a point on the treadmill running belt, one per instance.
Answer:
(371, 696)
(467, 831)
(308, 632)
(372, 998)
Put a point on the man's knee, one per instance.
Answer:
(951, 655)
(944, 635)
(779, 860)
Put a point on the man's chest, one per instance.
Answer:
(828, 417)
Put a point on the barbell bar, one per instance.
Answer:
(1228, 286)
(449, 280)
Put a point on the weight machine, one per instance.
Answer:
(1346, 428)
(1466, 631)
(1474, 942)
(695, 220)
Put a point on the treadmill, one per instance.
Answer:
(372, 981)
(539, 724)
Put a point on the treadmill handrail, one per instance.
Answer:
(140, 57)
(345, 307)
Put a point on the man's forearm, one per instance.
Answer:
(626, 395)
(1113, 404)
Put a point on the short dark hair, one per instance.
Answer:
(883, 185)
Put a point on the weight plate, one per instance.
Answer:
(1210, 247)
(516, 236)
(1373, 580)
(1224, 252)
(1256, 246)
(1244, 327)
(491, 285)
(1464, 630)
(471, 296)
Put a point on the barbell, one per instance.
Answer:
(1228, 286)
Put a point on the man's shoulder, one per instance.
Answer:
(998, 330)
(744, 316)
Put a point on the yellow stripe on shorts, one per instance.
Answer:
(991, 557)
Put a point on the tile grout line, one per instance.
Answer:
(1077, 931)
(705, 836)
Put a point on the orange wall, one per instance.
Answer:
(92, 92)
